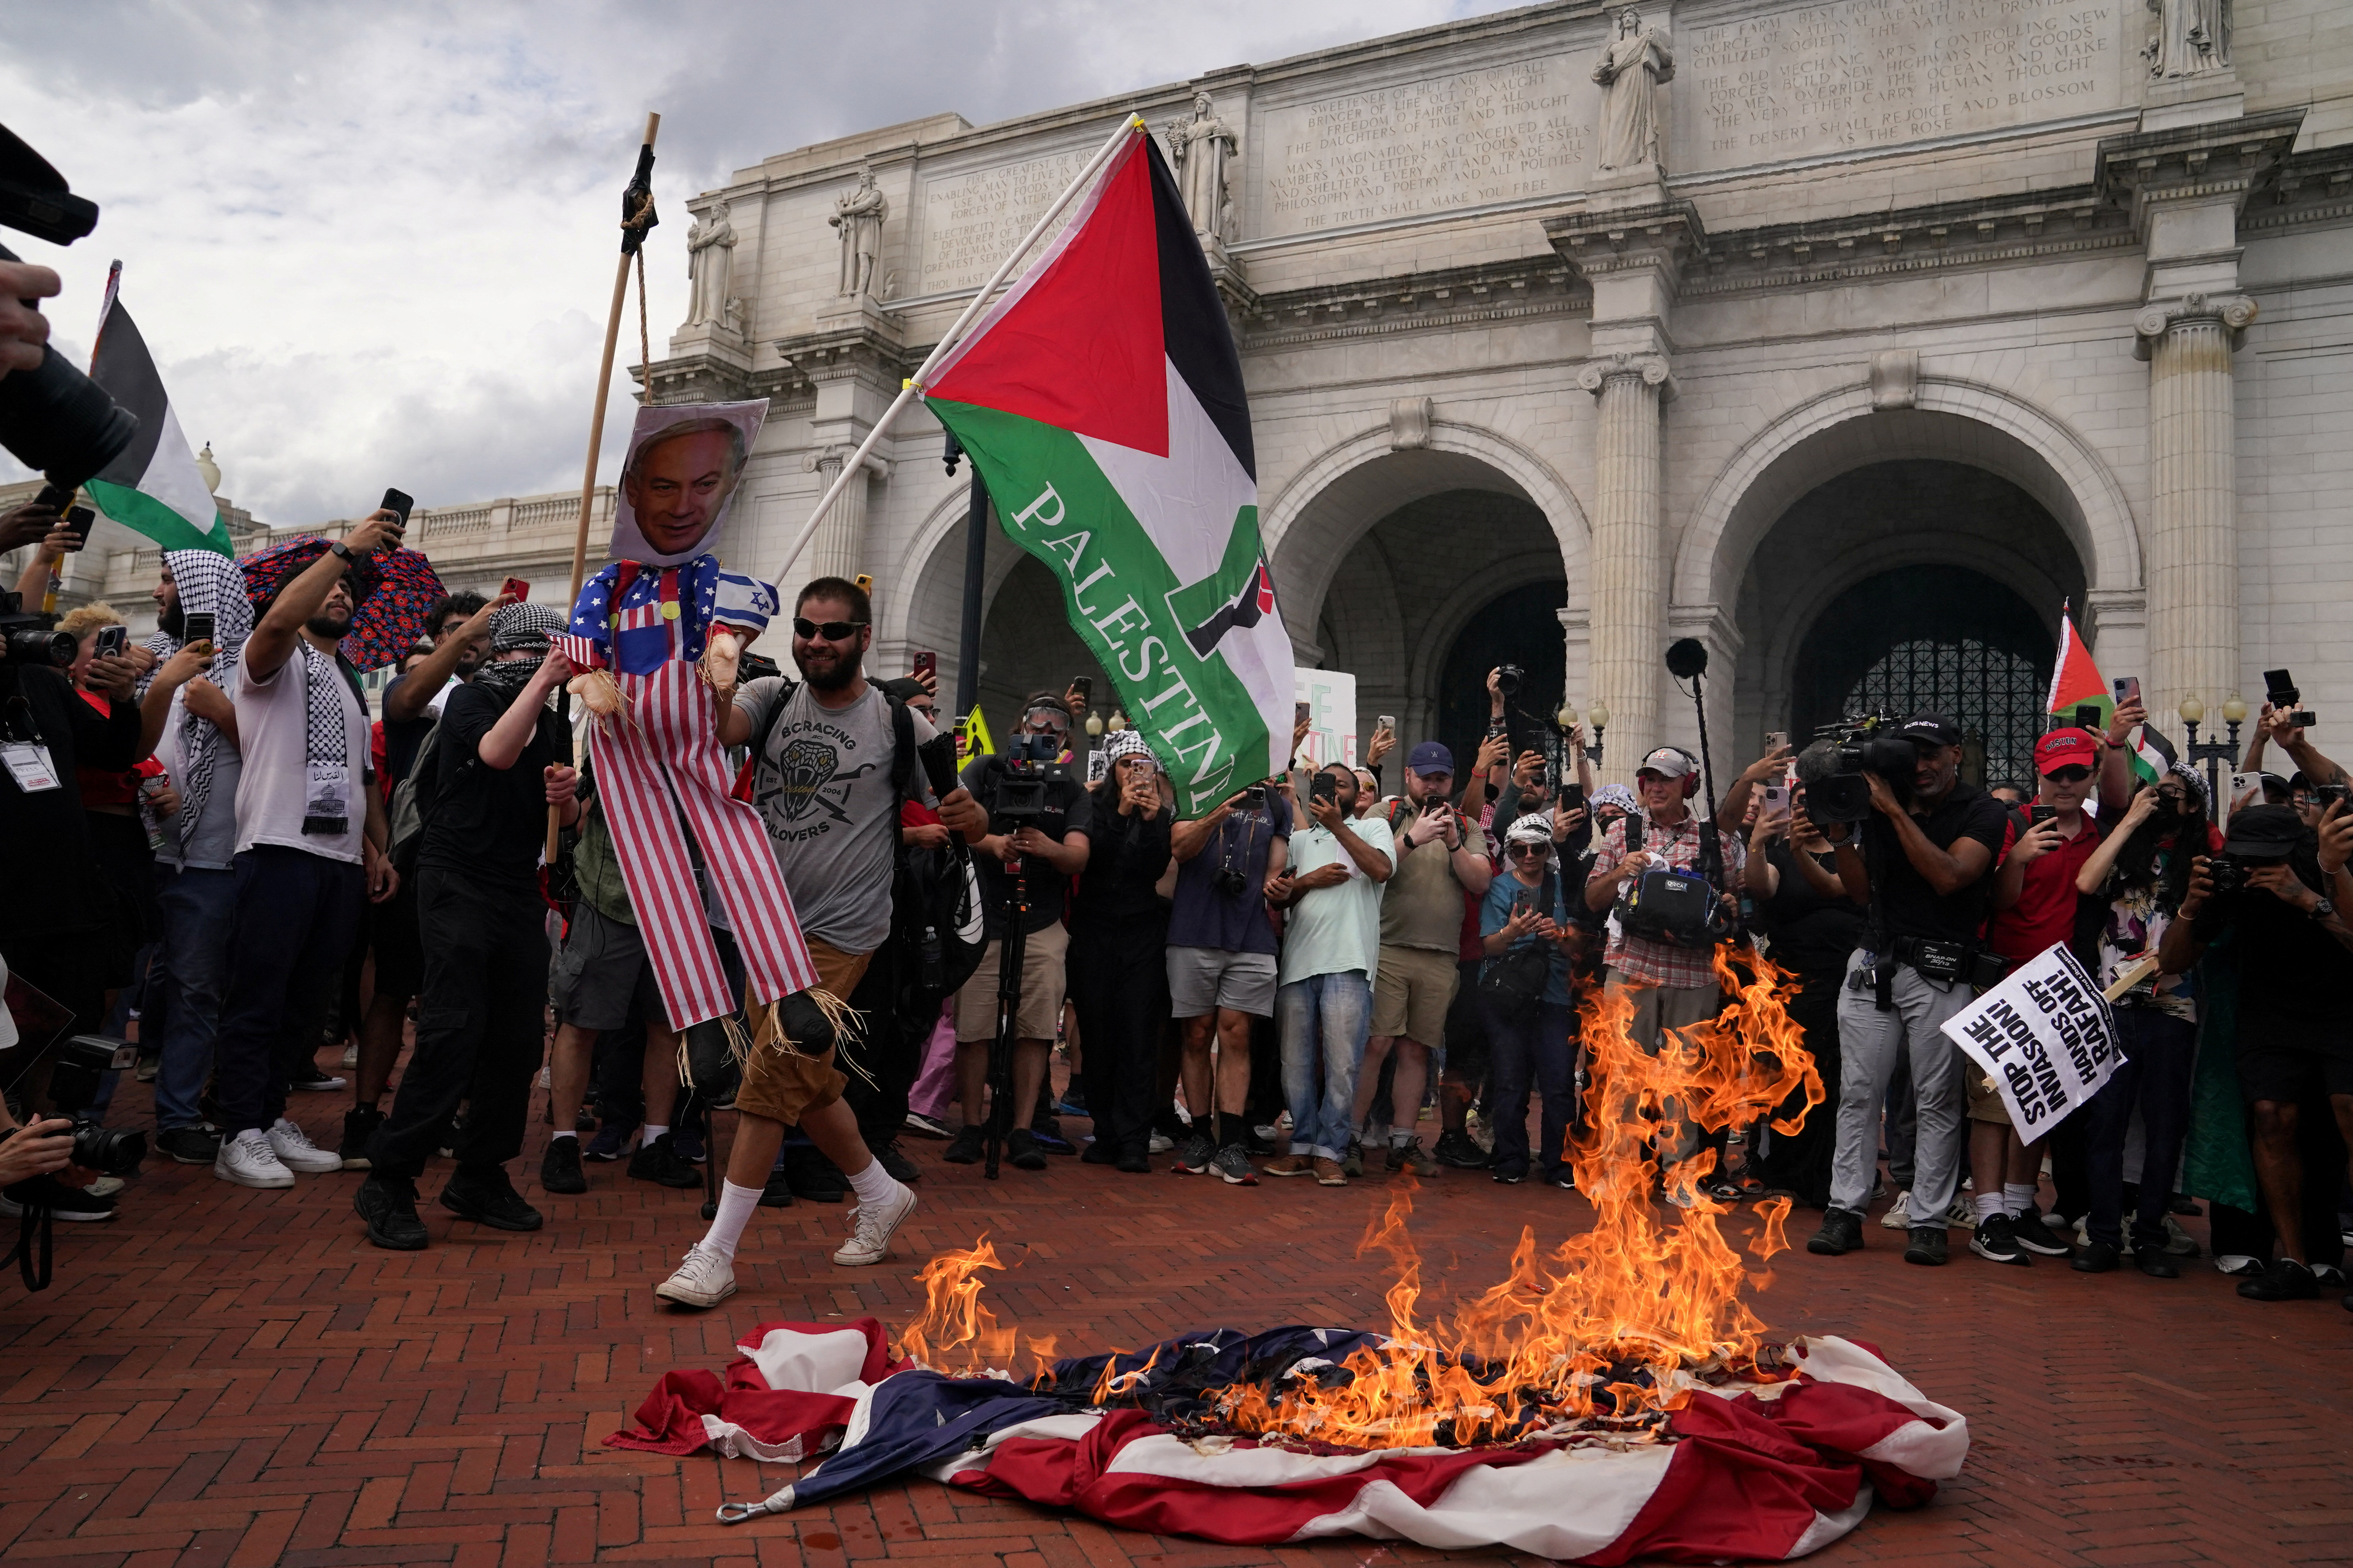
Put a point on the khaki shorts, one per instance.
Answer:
(1986, 1103)
(1411, 991)
(782, 1084)
(1040, 1017)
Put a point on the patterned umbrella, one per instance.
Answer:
(395, 589)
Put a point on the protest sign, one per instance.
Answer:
(2045, 1036)
(1331, 699)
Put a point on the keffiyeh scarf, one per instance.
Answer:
(209, 583)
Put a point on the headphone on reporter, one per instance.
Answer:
(1690, 780)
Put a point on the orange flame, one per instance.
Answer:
(1607, 1334)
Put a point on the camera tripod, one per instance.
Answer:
(1012, 952)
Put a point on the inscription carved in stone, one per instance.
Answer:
(1423, 147)
(972, 221)
(1857, 74)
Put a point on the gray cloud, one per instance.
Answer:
(374, 247)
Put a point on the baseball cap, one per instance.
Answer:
(2263, 832)
(1930, 730)
(1430, 757)
(2066, 748)
(1667, 762)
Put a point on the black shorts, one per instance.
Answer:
(394, 937)
(2283, 1059)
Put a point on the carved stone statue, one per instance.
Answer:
(2192, 38)
(859, 215)
(1629, 73)
(1197, 151)
(710, 267)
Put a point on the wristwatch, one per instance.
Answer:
(346, 551)
(2322, 909)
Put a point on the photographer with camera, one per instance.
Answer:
(1921, 866)
(2282, 894)
(1044, 835)
(1422, 911)
(1331, 950)
(311, 829)
(1222, 965)
(23, 330)
(1664, 872)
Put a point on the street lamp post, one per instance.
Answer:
(2212, 753)
(1597, 716)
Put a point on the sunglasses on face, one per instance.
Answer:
(831, 631)
(2072, 773)
(1528, 851)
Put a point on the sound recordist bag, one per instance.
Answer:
(1678, 909)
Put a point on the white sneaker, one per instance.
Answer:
(705, 1280)
(1161, 1143)
(1899, 1212)
(871, 1228)
(352, 1054)
(1962, 1215)
(297, 1152)
(248, 1161)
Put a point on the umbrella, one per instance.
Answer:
(395, 589)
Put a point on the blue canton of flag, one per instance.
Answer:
(637, 626)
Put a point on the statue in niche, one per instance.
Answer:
(710, 267)
(1197, 151)
(2192, 38)
(859, 215)
(1629, 73)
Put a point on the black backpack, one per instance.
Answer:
(1678, 909)
(935, 898)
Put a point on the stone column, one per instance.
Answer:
(2192, 565)
(838, 548)
(1628, 595)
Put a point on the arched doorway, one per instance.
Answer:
(1520, 627)
(1932, 639)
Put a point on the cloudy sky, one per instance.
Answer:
(373, 245)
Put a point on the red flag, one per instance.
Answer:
(2075, 680)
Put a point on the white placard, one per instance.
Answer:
(2045, 1035)
(1331, 699)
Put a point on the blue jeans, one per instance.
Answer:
(2161, 1055)
(198, 908)
(1533, 1049)
(1323, 1019)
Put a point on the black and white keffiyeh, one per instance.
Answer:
(208, 583)
(324, 740)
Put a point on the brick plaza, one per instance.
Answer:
(224, 1378)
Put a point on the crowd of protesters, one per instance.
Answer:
(232, 852)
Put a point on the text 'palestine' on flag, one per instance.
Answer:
(1101, 399)
(153, 486)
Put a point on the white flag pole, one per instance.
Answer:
(948, 339)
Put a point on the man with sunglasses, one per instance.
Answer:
(2035, 904)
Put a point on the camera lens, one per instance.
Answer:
(59, 420)
(108, 1151)
(29, 645)
(1507, 680)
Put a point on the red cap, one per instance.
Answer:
(2065, 749)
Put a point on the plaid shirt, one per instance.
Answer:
(1677, 847)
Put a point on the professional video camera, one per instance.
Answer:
(30, 638)
(55, 419)
(1864, 746)
(1023, 772)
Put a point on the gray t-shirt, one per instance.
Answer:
(213, 845)
(824, 791)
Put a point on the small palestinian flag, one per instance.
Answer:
(153, 486)
(2075, 680)
(2152, 754)
(1101, 399)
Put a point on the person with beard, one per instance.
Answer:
(197, 745)
(825, 787)
(502, 759)
(310, 856)
(459, 626)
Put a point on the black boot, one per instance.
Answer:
(486, 1197)
(389, 1203)
(1842, 1233)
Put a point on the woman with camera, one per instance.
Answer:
(2141, 872)
(1118, 963)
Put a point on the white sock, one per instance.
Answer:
(2017, 1197)
(736, 1206)
(647, 1135)
(572, 1133)
(1987, 1204)
(873, 1184)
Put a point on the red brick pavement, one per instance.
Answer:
(234, 1378)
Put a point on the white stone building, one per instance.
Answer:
(1851, 338)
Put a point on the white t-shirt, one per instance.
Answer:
(1333, 931)
(208, 848)
(272, 723)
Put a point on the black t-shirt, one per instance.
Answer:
(49, 885)
(1117, 898)
(2289, 966)
(402, 737)
(1903, 903)
(1067, 810)
(1812, 933)
(488, 822)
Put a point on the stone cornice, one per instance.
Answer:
(2311, 189)
(1663, 235)
(2226, 158)
(1451, 297)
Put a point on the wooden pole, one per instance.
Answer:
(588, 473)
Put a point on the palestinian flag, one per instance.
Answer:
(151, 487)
(1102, 398)
(2152, 754)
(2076, 680)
